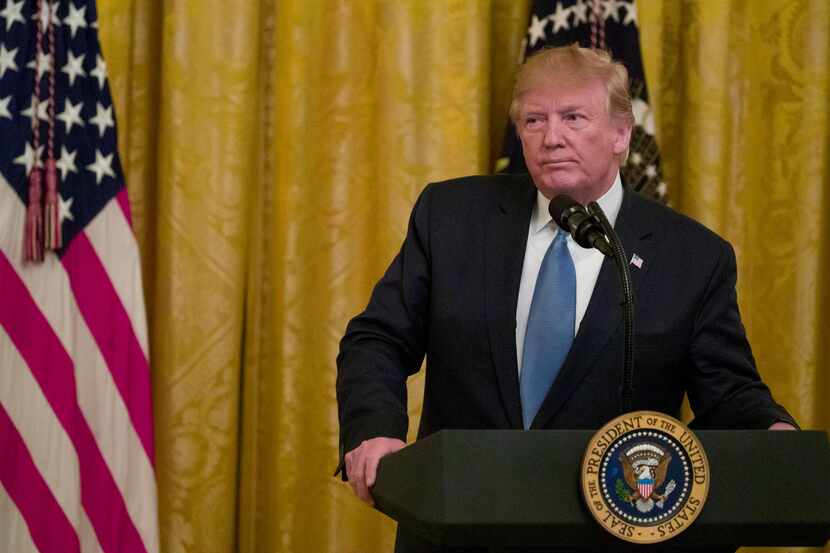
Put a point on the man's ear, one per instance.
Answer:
(622, 137)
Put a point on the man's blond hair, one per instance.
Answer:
(571, 65)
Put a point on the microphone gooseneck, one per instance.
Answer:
(590, 228)
(627, 387)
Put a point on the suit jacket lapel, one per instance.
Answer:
(505, 244)
(604, 315)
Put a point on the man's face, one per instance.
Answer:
(571, 144)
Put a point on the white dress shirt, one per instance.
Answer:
(587, 262)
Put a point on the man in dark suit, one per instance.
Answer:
(465, 291)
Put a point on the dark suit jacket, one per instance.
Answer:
(451, 293)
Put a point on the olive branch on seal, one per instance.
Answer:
(622, 491)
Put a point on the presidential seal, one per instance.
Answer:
(645, 477)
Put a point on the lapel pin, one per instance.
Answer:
(637, 261)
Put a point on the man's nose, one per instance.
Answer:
(553, 135)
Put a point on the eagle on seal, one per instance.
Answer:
(645, 479)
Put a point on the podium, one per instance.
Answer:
(512, 488)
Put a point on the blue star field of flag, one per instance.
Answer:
(565, 22)
(89, 171)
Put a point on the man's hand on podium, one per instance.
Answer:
(782, 426)
(362, 464)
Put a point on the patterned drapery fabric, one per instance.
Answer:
(274, 150)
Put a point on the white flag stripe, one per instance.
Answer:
(15, 536)
(99, 399)
(12, 215)
(51, 449)
(116, 246)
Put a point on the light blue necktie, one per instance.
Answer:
(550, 326)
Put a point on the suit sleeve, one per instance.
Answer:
(385, 344)
(725, 389)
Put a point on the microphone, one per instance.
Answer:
(573, 218)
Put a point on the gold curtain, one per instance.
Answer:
(273, 150)
(742, 92)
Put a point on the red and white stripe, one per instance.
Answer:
(76, 431)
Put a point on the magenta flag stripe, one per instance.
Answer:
(48, 525)
(53, 369)
(124, 202)
(112, 329)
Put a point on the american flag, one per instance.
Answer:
(637, 261)
(76, 432)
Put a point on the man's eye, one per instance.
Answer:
(532, 121)
(573, 117)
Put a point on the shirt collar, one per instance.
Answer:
(610, 202)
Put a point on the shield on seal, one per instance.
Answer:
(645, 486)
